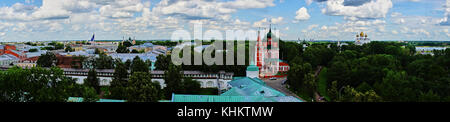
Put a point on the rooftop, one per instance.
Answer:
(243, 89)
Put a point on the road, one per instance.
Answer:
(276, 84)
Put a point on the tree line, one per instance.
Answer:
(378, 71)
(132, 79)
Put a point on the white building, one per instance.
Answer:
(207, 80)
(8, 59)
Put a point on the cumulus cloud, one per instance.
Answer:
(207, 9)
(364, 9)
(446, 20)
(265, 22)
(302, 14)
(51, 10)
(276, 20)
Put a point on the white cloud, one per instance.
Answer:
(265, 22)
(51, 9)
(372, 9)
(302, 14)
(247, 4)
(276, 20)
(446, 20)
(207, 9)
(261, 23)
(394, 32)
(308, 2)
(324, 28)
(312, 26)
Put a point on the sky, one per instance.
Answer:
(40, 20)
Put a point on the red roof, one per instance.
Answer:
(283, 64)
(33, 59)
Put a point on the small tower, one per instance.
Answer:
(253, 71)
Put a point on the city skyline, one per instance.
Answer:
(37, 20)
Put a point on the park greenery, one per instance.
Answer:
(374, 72)
(41, 85)
(33, 50)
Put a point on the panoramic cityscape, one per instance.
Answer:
(224, 51)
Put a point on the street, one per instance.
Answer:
(277, 84)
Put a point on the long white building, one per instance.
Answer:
(207, 80)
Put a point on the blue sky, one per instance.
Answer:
(35, 20)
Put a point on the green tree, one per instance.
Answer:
(134, 51)
(297, 75)
(97, 51)
(120, 81)
(89, 94)
(33, 50)
(92, 80)
(162, 62)
(122, 49)
(46, 60)
(39, 85)
(173, 79)
(191, 86)
(429, 96)
(104, 62)
(333, 91)
(68, 49)
(139, 65)
(127, 44)
(352, 95)
(142, 89)
(58, 46)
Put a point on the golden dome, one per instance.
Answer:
(362, 34)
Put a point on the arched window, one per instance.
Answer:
(210, 83)
(105, 82)
(221, 83)
(202, 84)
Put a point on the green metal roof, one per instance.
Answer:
(243, 89)
(251, 87)
(245, 81)
(110, 100)
(215, 98)
(252, 67)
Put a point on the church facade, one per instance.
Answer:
(267, 56)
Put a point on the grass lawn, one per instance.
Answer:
(322, 84)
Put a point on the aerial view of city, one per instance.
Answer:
(165, 51)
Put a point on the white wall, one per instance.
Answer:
(253, 74)
(205, 83)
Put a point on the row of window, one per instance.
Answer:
(86, 73)
(157, 76)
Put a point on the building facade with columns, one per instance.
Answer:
(207, 80)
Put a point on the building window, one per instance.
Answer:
(210, 84)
